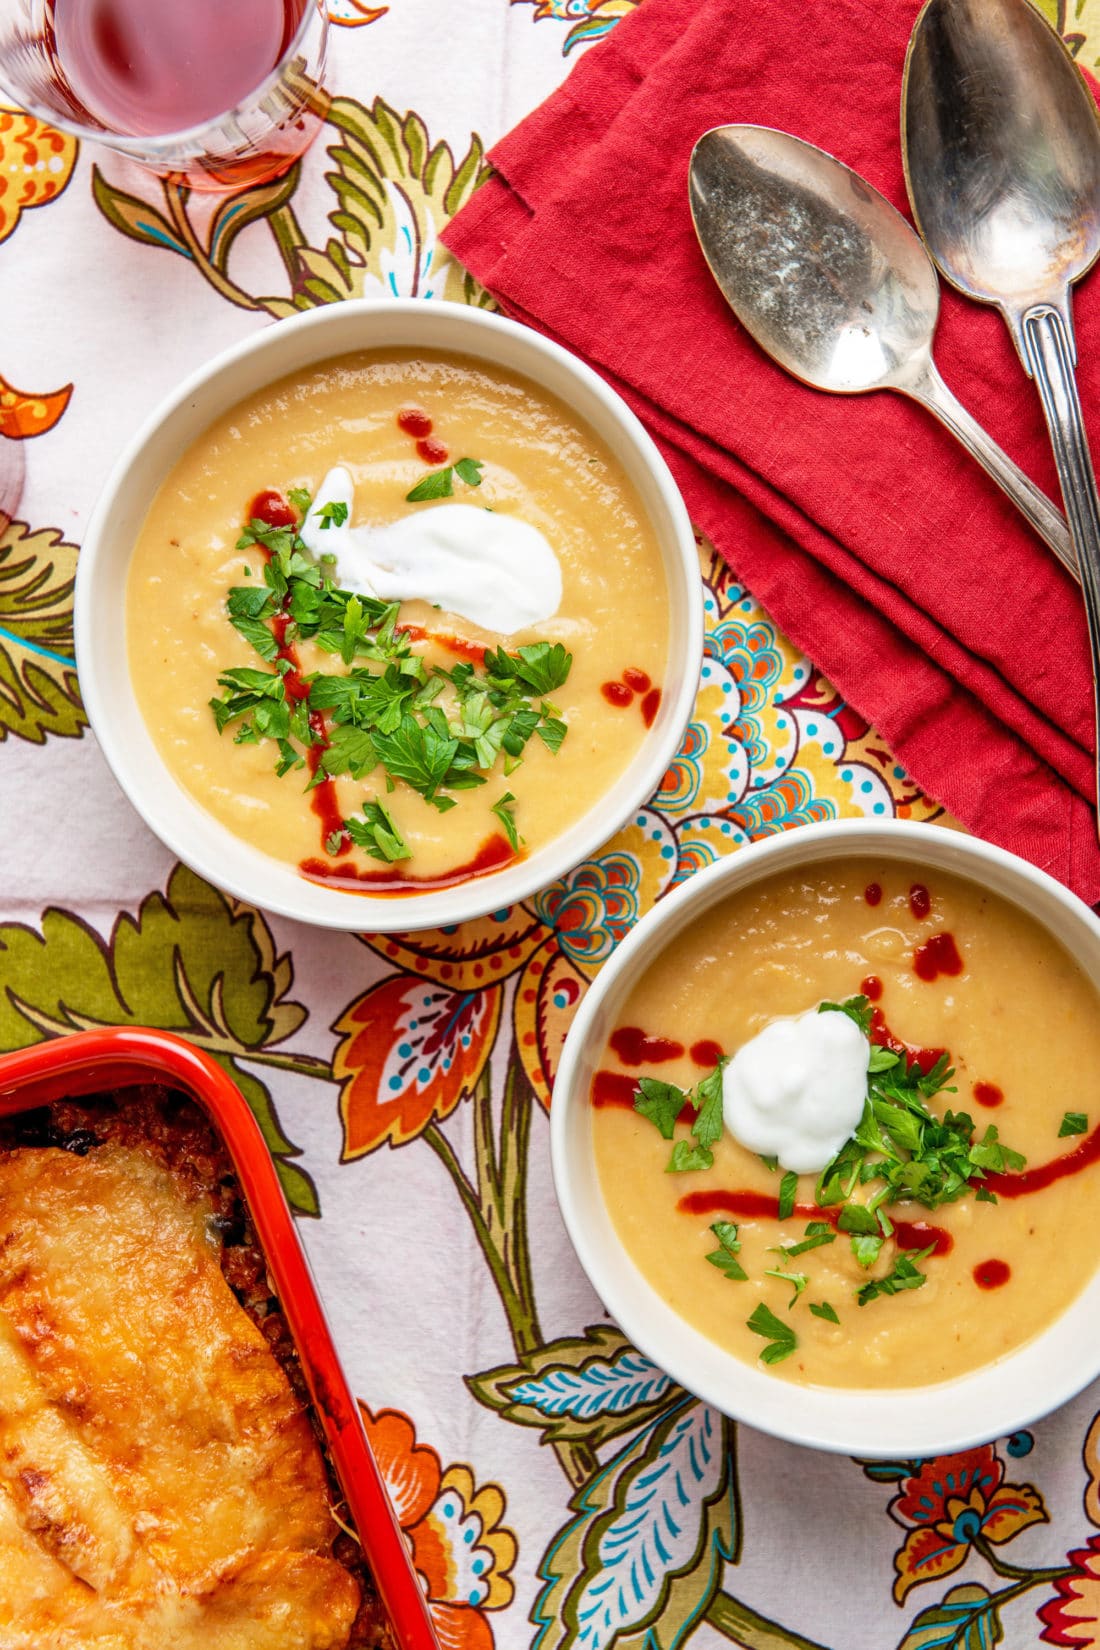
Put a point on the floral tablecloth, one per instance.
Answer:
(555, 1487)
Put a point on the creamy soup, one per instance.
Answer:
(944, 966)
(481, 445)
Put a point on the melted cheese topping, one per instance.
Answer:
(159, 1483)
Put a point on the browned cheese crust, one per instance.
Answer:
(160, 1484)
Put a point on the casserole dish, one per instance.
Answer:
(109, 1059)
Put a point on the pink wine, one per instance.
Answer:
(147, 67)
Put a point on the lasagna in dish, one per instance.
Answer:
(161, 1484)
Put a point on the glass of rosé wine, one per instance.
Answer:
(220, 94)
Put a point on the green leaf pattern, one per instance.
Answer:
(39, 695)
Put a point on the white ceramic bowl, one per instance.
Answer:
(194, 835)
(903, 1423)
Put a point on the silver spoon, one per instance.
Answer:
(1002, 160)
(835, 285)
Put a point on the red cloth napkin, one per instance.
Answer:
(875, 542)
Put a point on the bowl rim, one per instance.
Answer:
(919, 1421)
(167, 808)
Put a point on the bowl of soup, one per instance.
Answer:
(826, 1138)
(389, 616)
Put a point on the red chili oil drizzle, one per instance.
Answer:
(939, 955)
(917, 1234)
(458, 645)
(322, 799)
(871, 988)
(614, 1088)
(920, 1234)
(432, 450)
(991, 1274)
(271, 507)
(872, 893)
(393, 879)
(635, 1048)
(706, 1053)
(920, 902)
(1045, 1174)
(414, 421)
(883, 1037)
(988, 1094)
(634, 681)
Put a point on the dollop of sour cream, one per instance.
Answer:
(489, 567)
(796, 1090)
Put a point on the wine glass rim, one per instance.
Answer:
(147, 147)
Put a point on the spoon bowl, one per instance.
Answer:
(1002, 161)
(816, 264)
(1002, 158)
(835, 285)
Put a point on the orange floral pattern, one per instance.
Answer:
(1072, 1616)
(23, 415)
(951, 1504)
(410, 1050)
(461, 1548)
(36, 163)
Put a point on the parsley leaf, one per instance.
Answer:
(469, 470)
(300, 499)
(543, 667)
(788, 1191)
(685, 1156)
(725, 1257)
(857, 1008)
(436, 484)
(822, 1309)
(905, 1275)
(332, 515)
(504, 811)
(707, 1127)
(818, 1232)
(1074, 1122)
(798, 1279)
(377, 834)
(780, 1335)
(866, 1247)
(661, 1102)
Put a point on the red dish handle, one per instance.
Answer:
(117, 1057)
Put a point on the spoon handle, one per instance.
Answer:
(1049, 356)
(1050, 524)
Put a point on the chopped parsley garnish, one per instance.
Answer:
(440, 483)
(504, 811)
(905, 1275)
(1074, 1122)
(377, 834)
(901, 1152)
(725, 1257)
(799, 1280)
(332, 515)
(780, 1336)
(788, 1191)
(706, 1098)
(818, 1232)
(440, 731)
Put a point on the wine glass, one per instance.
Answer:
(219, 94)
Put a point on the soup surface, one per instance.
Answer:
(944, 966)
(392, 421)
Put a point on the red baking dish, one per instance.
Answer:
(119, 1057)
